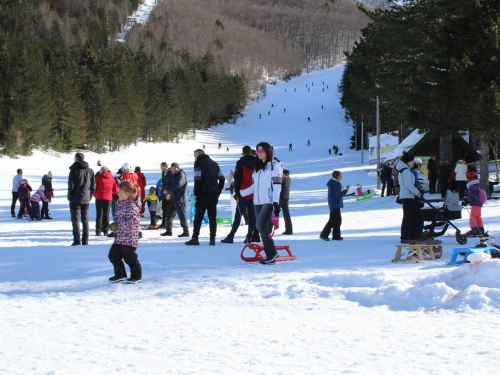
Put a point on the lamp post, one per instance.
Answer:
(378, 138)
(362, 141)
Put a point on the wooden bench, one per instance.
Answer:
(420, 251)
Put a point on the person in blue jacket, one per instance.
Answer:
(336, 192)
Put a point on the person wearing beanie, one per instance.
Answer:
(152, 201)
(411, 224)
(49, 193)
(176, 191)
(35, 203)
(474, 192)
(106, 187)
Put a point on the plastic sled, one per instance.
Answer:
(225, 220)
(366, 195)
(258, 257)
(465, 252)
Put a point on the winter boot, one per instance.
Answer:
(228, 239)
(192, 242)
(248, 239)
(212, 241)
(482, 232)
(184, 234)
(167, 233)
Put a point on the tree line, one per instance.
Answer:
(434, 65)
(67, 81)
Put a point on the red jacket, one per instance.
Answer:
(130, 176)
(105, 187)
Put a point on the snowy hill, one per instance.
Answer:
(341, 307)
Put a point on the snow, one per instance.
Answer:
(341, 307)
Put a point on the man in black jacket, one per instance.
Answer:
(81, 187)
(242, 180)
(208, 184)
(176, 191)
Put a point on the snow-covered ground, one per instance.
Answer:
(341, 307)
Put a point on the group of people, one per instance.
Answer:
(412, 185)
(30, 203)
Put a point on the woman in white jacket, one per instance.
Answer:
(461, 177)
(266, 189)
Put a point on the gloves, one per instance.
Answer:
(276, 208)
(237, 197)
(465, 202)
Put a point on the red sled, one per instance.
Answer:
(258, 257)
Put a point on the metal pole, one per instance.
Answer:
(362, 140)
(378, 143)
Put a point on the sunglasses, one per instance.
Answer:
(260, 152)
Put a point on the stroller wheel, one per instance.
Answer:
(461, 239)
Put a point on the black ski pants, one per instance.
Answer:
(77, 211)
(129, 255)
(333, 224)
(102, 208)
(206, 202)
(15, 197)
(411, 226)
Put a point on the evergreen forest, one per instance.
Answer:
(434, 65)
(67, 81)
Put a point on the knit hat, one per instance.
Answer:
(174, 165)
(152, 189)
(126, 166)
(49, 174)
(406, 158)
(137, 169)
(471, 176)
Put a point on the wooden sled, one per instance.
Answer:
(258, 257)
(421, 251)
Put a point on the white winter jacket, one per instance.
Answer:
(407, 189)
(266, 184)
(461, 171)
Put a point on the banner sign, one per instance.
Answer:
(388, 143)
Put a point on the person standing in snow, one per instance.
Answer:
(444, 176)
(461, 177)
(105, 187)
(266, 188)
(141, 181)
(290, 147)
(81, 187)
(411, 224)
(126, 235)
(15, 191)
(475, 220)
(284, 198)
(49, 193)
(176, 191)
(208, 185)
(35, 203)
(336, 193)
(432, 173)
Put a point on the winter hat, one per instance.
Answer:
(49, 174)
(126, 166)
(152, 189)
(41, 187)
(406, 158)
(418, 161)
(137, 169)
(471, 176)
(174, 165)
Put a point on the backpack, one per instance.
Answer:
(482, 196)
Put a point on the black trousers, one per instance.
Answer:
(45, 210)
(128, 254)
(333, 224)
(243, 206)
(432, 186)
(153, 220)
(15, 197)
(411, 226)
(77, 211)
(286, 217)
(444, 186)
(462, 188)
(164, 209)
(206, 202)
(25, 206)
(179, 210)
(102, 208)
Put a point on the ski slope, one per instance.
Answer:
(341, 307)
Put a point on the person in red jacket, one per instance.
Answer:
(142, 184)
(128, 175)
(105, 188)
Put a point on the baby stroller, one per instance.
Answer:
(442, 217)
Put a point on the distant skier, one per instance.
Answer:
(321, 106)
(308, 119)
(269, 113)
(220, 144)
(227, 149)
(272, 105)
(329, 151)
(290, 147)
(284, 110)
(308, 142)
(260, 116)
